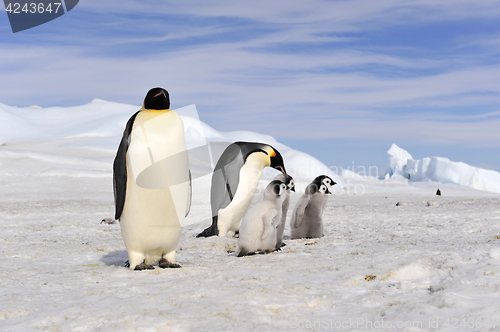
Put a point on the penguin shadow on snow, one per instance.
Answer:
(115, 258)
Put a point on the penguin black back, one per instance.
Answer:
(120, 169)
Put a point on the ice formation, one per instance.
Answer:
(439, 169)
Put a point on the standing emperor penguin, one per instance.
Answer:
(258, 229)
(307, 220)
(234, 181)
(152, 183)
(290, 186)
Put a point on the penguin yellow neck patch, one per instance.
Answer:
(272, 154)
(153, 110)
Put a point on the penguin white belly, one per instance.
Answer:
(157, 187)
(231, 216)
(253, 226)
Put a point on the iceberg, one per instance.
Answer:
(442, 170)
(398, 159)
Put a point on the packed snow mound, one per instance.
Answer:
(439, 169)
(421, 269)
(105, 121)
(97, 119)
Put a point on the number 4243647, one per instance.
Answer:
(32, 8)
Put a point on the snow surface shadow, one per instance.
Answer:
(115, 258)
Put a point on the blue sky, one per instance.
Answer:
(341, 80)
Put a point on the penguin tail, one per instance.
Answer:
(242, 253)
(212, 230)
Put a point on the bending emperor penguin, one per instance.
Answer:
(258, 229)
(307, 220)
(234, 181)
(152, 183)
(290, 186)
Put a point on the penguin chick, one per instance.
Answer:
(306, 221)
(258, 229)
(290, 186)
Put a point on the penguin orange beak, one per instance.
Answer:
(282, 170)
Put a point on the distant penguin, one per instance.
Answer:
(108, 221)
(307, 220)
(438, 192)
(234, 181)
(288, 180)
(258, 229)
(152, 183)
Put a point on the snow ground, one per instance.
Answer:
(378, 266)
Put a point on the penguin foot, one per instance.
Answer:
(126, 264)
(282, 244)
(143, 266)
(242, 253)
(163, 263)
(211, 230)
(208, 232)
(246, 253)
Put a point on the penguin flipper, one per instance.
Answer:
(300, 210)
(120, 169)
(225, 178)
(267, 219)
(190, 195)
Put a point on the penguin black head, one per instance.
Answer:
(277, 161)
(275, 158)
(326, 180)
(324, 190)
(317, 187)
(287, 180)
(157, 99)
(291, 184)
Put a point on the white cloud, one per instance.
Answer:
(355, 90)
